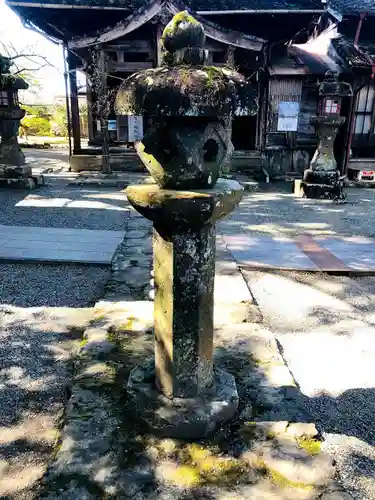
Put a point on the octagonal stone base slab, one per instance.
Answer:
(182, 418)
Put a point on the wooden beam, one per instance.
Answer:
(151, 10)
(120, 56)
(129, 66)
(130, 46)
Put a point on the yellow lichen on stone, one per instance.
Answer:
(182, 476)
(179, 18)
(126, 326)
(284, 482)
(312, 446)
(212, 467)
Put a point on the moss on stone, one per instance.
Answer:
(174, 37)
(83, 342)
(284, 482)
(183, 476)
(97, 318)
(179, 18)
(125, 326)
(186, 91)
(311, 445)
(248, 430)
(210, 465)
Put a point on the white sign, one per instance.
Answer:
(288, 116)
(135, 125)
(112, 125)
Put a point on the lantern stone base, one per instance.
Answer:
(11, 153)
(189, 418)
(322, 184)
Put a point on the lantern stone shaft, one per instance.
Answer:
(181, 393)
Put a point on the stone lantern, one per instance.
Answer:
(180, 393)
(322, 178)
(10, 115)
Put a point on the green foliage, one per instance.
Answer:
(37, 111)
(36, 125)
(59, 122)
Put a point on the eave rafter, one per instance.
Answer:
(155, 8)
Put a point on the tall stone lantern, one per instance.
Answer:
(10, 115)
(180, 393)
(321, 178)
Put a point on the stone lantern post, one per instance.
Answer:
(180, 393)
(322, 178)
(10, 115)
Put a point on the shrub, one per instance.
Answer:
(36, 125)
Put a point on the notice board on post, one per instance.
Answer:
(288, 116)
(135, 128)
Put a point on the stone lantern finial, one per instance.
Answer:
(332, 86)
(183, 41)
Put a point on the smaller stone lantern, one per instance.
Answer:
(322, 179)
(10, 115)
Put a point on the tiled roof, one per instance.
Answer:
(353, 6)
(255, 4)
(352, 56)
(301, 62)
(206, 5)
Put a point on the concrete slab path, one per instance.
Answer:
(325, 327)
(47, 244)
(303, 252)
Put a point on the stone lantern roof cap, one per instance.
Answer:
(185, 85)
(11, 82)
(332, 86)
(7, 80)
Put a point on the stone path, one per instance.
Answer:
(262, 455)
(325, 329)
(47, 244)
(305, 253)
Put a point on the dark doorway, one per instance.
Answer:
(244, 132)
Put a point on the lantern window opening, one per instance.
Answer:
(329, 106)
(4, 98)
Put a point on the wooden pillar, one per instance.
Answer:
(229, 56)
(158, 49)
(74, 108)
(90, 118)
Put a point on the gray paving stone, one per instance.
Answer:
(356, 252)
(58, 244)
(53, 255)
(270, 252)
(11, 253)
(97, 257)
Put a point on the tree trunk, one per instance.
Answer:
(106, 167)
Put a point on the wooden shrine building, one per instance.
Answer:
(283, 46)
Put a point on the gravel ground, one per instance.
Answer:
(326, 328)
(276, 212)
(43, 311)
(82, 208)
(59, 204)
